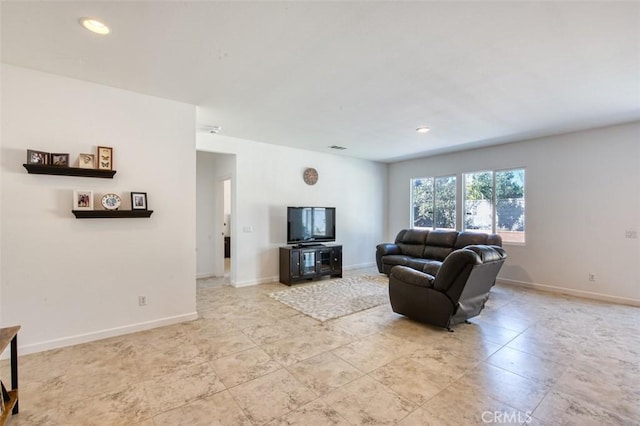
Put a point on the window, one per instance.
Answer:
(494, 202)
(510, 205)
(422, 203)
(433, 202)
(445, 202)
(478, 201)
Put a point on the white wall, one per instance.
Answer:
(205, 215)
(582, 194)
(67, 280)
(212, 170)
(268, 178)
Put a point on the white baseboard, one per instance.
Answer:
(103, 334)
(205, 275)
(359, 266)
(257, 281)
(571, 292)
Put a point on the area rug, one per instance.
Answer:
(336, 298)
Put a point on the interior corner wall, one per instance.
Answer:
(205, 214)
(582, 192)
(268, 178)
(67, 281)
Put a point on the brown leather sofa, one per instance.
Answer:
(440, 277)
(457, 292)
(425, 250)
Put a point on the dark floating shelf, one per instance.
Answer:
(45, 169)
(110, 214)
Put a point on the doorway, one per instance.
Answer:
(215, 201)
(226, 214)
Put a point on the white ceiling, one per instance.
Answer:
(363, 75)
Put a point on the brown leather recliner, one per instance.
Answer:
(456, 293)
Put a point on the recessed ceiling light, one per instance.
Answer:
(95, 26)
(422, 129)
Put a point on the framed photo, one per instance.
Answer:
(82, 200)
(105, 158)
(60, 160)
(87, 161)
(138, 201)
(37, 157)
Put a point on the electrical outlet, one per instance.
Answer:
(592, 277)
(142, 300)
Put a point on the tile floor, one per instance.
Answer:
(530, 358)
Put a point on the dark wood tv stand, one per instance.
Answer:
(9, 335)
(306, 262)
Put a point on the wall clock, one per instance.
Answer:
(310, 176)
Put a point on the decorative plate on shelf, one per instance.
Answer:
(111, 201)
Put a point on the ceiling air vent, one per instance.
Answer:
(210, 129)
(339, 148)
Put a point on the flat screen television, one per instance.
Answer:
(311, 225)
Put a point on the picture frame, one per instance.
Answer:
(57, 159)
(82, 199)
(105, 158)
(139, 201)
(87, 161)
(37, 157)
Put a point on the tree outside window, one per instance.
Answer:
(422, 202)
(445, 202)
(478, 201)
(433, 202)
(503, 212)
(510, 205)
